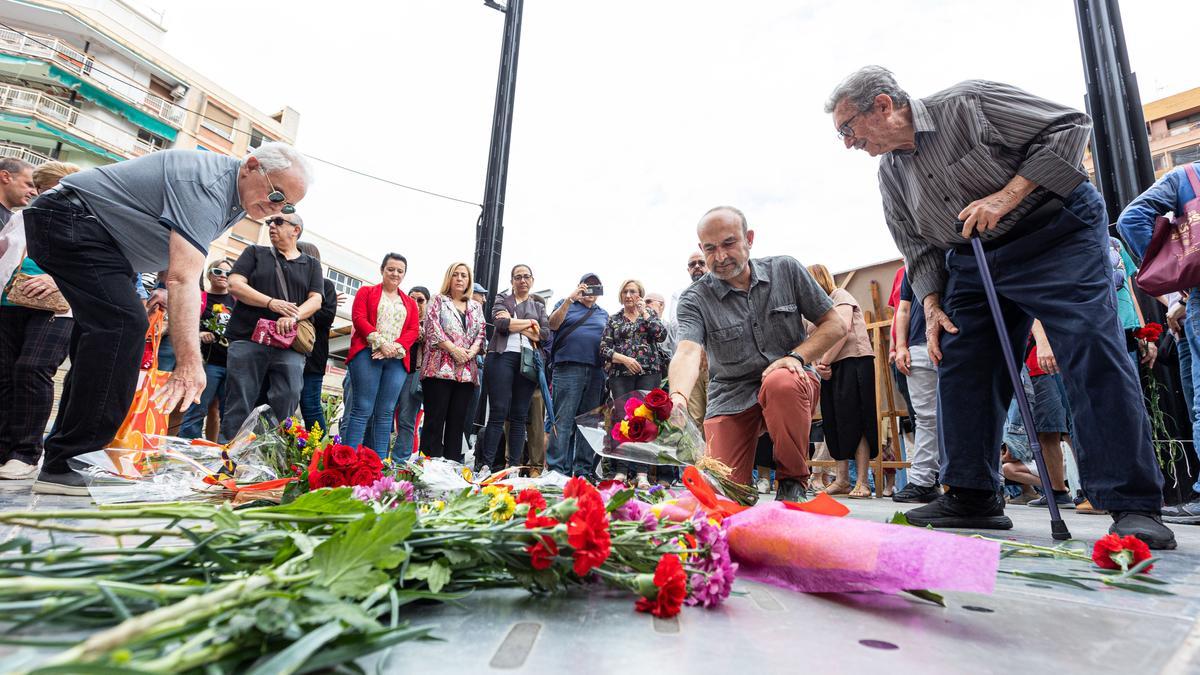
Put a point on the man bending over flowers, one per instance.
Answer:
(747, 316)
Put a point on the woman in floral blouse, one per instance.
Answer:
(385, 328)
(631, 355)
(453, 338)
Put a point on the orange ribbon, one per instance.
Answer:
(719, 507)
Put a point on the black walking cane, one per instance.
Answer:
(1058, 528)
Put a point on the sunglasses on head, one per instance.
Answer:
(276, 196)
(218, 272)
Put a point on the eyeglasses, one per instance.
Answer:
(845, 130)
(218, 272)
(277, 196)
(695, 263)
(523, 277)
(279, 221)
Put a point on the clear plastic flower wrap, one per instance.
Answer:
(644, 427)
(169, 468)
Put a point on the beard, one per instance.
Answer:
(730, 272)
(697, 273)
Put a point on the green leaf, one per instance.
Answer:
(225, 518)
(348, 563)
(899, 518)
(334, 501)
(1046, 576)
(456, 557)
(294, 657)
(436, 574)
(1141, 567)
(1129, 586)
(356, 647)
(22, 543)
(619, 499)
(86, 669)
(935, 598)
(351, 615)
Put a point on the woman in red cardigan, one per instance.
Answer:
(386, 323)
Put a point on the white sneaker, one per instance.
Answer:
(620, 477)
(643, 481)
(763, 485)
(15, 469)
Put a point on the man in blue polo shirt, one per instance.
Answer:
(912, 359)
(578, 382)
(100, 227)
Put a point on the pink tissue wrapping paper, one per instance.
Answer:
(822, 554)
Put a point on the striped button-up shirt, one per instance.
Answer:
(971, 140)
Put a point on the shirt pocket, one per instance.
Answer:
(786, 325)
(978, 174)
(727, 343)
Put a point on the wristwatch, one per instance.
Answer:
(799, 358)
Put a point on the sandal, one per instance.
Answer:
(860, 492)
(836, 488)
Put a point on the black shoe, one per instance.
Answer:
(913, 493)
(1145, 526)
(1187, 513)
(70, 483)
(953, 510)
(789, 490)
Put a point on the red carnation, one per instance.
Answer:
(1150, 332)
(370, 458)
(541, 554)
(584, 493)
(325, 479)
(671, 581)
(587, 528)
(533, 498)
(659, 402)
(1120, 553)
(533, 521)
(642, 430)
(341, 456)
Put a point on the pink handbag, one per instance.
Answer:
(1172, 260)
(267, 333)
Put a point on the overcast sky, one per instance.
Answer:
(632, 117)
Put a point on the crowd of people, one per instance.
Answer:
(757, 352)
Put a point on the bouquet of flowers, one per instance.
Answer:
(647, 429)
(1168, 449)
(216, 323)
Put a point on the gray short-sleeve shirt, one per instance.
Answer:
(140, 201)
(745, 331)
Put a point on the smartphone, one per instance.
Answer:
(594, 290)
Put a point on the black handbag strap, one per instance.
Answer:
(279, 275)
(562, 333)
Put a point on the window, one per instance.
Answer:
(344, 283)
(152, 140)
(1183, 121)
(218, 120)
(1160, 161)
(257, 138)
(1186, 155)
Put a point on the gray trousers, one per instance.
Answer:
(250, 367)
(922, 387)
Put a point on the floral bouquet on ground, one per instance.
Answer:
(645, 428)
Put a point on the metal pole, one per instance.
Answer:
(489, 234)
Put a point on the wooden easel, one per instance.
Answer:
(888, 417)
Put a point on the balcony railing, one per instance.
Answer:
(59, 113)
(67, 57)
(22, 153)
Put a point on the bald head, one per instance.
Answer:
(725, 241)
(725, 212)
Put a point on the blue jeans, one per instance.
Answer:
(577, 389)
(1060, 274)
(310, 401)
(407, 408)
(376, 387)
(509, 395)
(1191, 347)
(214, 387)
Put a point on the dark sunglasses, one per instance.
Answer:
(695, 263)
(279, 221)
(218, 272)
(420, 301)
(276, 196)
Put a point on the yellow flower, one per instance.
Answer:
(502, 506)
(218, 308)
(643, 411)
(625, 428)
(467, 474)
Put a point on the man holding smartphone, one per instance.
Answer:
(578, 380)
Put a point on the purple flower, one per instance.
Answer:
(301, 442)
(287, 424)
(637, 511)
(337, 440)
(713, 581)
(384, 487)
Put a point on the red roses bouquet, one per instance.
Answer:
(341, 466)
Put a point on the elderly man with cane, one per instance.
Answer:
(987, 160)
(103, 225)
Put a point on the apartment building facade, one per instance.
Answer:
(1173, 127)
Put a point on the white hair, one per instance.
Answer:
(863, 85)
(276, 157)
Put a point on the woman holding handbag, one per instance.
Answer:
(35, 331)
(278, 290)
(453, 338)
(385, 328)
(510, 369)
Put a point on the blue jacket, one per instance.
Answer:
(1170, 193)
